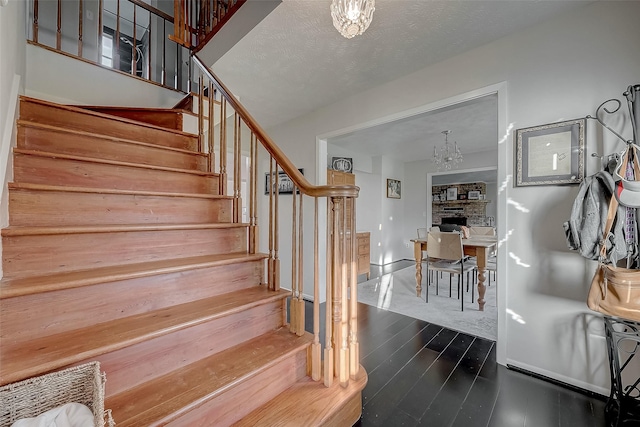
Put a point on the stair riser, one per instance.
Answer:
(53, 141)
(39, 315)
(75, 173)
(41, 254)
(165, 119)
(348, 414)
(112, 126)
(239, 401)
(58, 208)
(151, 359)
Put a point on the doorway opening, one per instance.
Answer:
(393, 222)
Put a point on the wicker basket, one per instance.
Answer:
(31, 397)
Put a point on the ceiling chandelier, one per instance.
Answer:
(352, 17)
(448, 156)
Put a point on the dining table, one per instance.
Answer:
(479, 247)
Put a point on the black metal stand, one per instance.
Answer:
(623, 344)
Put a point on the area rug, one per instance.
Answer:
(397, 292)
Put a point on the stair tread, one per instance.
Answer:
(29, 123)
(109, 162)
(119, 108)
(44, 187)
(320, 403)
(10, 288)
(103, 115)
(55, 351)
(21, 230)
(165, 398)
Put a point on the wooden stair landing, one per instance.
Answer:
(309, 403)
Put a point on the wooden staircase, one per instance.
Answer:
(120, 249)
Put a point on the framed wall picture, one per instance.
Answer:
(550, 154)
(452, 193)
(394, 189)
(473, 195)
(285, 185)
(342, 164)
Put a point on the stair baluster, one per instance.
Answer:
(341, 360)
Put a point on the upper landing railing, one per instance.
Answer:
(135, 37)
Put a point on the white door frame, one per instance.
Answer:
(504, 133)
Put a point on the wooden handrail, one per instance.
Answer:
(153, 10)
(203, 42)
(283, 161)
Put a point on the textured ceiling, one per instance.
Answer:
(473, 125)
(294, 61)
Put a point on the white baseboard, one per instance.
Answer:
(559, 377)
(7, 141)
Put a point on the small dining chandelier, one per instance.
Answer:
(447, 157)
(352, 17)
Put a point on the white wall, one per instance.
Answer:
(12, 66)
(12, 70)
(78, 82)
(561, 69)
(492, 196)
(393, 212)
(361, 162)
(369, 210)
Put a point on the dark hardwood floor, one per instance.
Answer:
(422, 374)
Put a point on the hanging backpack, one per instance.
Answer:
(586, 225)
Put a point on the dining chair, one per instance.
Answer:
(478, 233)
(492, 269)
(422, 234)
(445, 254)
(482, 231)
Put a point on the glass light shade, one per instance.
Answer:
(352, 17)
(448, 157)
